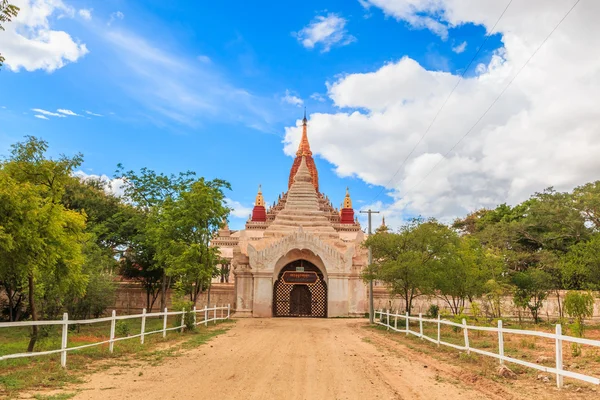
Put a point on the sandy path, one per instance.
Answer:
(287, 359)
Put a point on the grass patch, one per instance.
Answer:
(45, 372)
(60, 396)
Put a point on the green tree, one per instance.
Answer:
(587, 200)
(7, 13)
(41, 239)
(183, 229)
(460, 275)
(579, 306)
(531, 289)
(148, 191)
(405, 261)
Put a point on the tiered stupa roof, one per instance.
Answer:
(304, 151)
(302, 209)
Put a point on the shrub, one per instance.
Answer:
(433, 311)
(122, 328)
(579, 306)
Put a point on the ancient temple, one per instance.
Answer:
(300, 256)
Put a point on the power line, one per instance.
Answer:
(495, 100)
(492, 31)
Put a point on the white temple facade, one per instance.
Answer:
(301, 257)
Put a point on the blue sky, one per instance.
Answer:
(211, 86)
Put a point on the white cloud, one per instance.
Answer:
(542, 132)
(291, 99)
(191, 91)
(94, 114)
(238, 210)
(115, 186)
(40, 116)
(317, 97)
(204, 59)
(68, 112)
(326, 31)
(49, 113)
(460, 48)
(30, 43)
(115, 16)
(86, 13)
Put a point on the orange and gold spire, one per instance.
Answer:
(347, 199)
(259, 213)
(347, 212)
(304, 147)
(304, 151)
(260, 201)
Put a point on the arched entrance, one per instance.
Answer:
(300, 291)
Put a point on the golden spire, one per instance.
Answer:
(260, 201)
(347, 199)
(304, 147)
(383, 221)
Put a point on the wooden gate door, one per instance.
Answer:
(300, 291)
(300, 301)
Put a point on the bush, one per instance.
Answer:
(122, 328)
(579, 306)
(433, 311)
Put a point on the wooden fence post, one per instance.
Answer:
(194, 315)
(559, 356)
(206, 315)
(228, 310)
(113, 322)
(500, 341)
(65, 332)
(143, 326)
(182, 319)
(421, 325)
(407, 325)
(466, 332)
(215, 314)
(388, 319)
(396, 320)
(438, 330)
(165, 324)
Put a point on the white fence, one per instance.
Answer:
(558, 338)
(206, 315)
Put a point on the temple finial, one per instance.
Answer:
(304, 120)
(347, 199)
(260, 201)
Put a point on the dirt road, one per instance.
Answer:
(292, 359)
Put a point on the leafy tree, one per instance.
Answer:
(183, 230)
(460, 275)
(587, 200)
(531, 289)
(581, 264)
(7, 13)
(405, 261)
(100, 287)
(40, 239)
(148, 191)
(579, 306)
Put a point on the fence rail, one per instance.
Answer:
(558, 337)
(207, 315)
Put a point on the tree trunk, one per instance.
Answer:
(34, 328)
(208, 294)
(10, 304)
(560, 309)
(148, 305)
(163, 291)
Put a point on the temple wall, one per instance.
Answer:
(263, 295)
(337, 296)
(131, 298)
